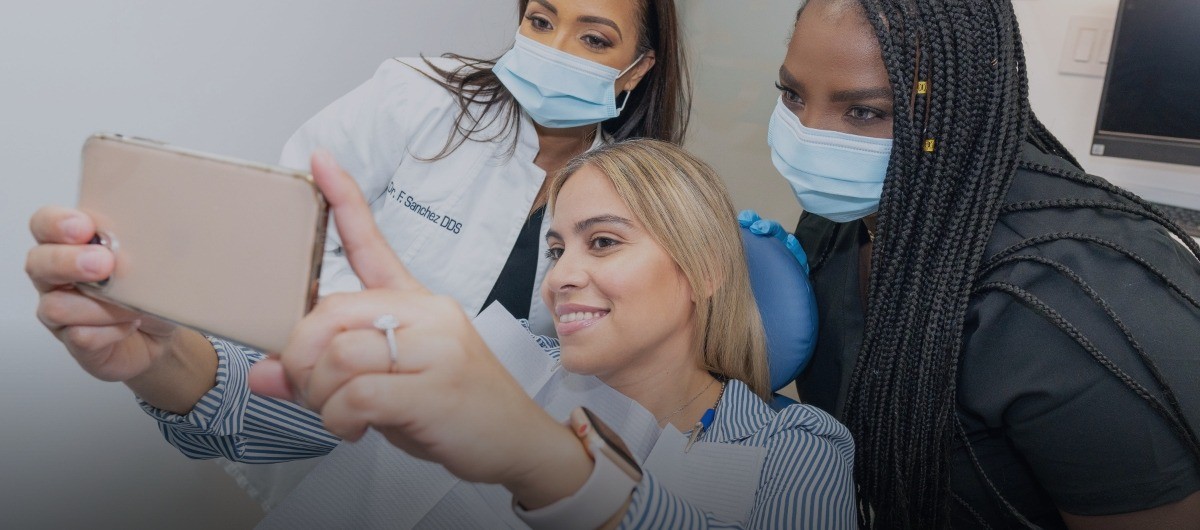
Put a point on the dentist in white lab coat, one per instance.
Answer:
(453, 155)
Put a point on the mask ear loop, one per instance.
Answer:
(628, 93)
(621, 108)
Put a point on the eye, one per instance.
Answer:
(539, 22)
(789, 95)
(596, 42)
(865, 114)
(554, 253)
(603, 243)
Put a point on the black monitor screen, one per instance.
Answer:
(1152, 91)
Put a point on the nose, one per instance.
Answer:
(559, 40)
(566, 274)
(813, 119)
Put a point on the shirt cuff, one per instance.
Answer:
(220, 411)
(606, 491)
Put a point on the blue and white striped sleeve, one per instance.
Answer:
(807, 481)
(232, 423)
(550, 344)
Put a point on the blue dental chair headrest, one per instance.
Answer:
(787, 305)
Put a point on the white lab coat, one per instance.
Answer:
(452, 221)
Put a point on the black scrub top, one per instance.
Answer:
(1052, 428)
(514, 287)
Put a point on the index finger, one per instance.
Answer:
(369, 253)
(57, 224)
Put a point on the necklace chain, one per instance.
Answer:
(690, 401)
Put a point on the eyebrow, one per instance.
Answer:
(861, 94)
(789, 81)
(840, 96)
(547, 5)
(584, 225)
(590, 19)
(586, 19)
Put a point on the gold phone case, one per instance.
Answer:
(226, 247)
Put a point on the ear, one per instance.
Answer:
(709, 288)
(634, 76)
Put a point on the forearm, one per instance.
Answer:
(183, 374)
(269, 431)
(561, 468)
(230, 422)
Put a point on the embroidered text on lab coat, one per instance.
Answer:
(410, 202)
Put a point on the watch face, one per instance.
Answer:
(611, 440)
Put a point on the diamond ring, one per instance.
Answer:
(388, 324)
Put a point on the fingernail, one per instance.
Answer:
(746, 217)
(92, 261)
(322, 155)
(74, 228)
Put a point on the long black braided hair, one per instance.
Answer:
(962, 114)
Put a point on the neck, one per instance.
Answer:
(557, 146)
(870, 222)
(663, 391)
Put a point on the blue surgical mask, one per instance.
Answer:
(557, 89)
(835, 175)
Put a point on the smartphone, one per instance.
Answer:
(226, 247)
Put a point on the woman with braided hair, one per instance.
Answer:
(1012, 342)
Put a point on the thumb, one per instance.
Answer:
(368, 252)
(267, 378)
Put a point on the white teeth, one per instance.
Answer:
(576, 317)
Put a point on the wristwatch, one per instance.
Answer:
(601, 442)
(608, 488)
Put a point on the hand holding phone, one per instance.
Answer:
(225, 247)
(109, 342)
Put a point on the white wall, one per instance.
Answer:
(233, 77)
(736, 49)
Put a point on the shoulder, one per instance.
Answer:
(1085, 310)
(415, 79)
(808, 459)
(1052, 201)
(808, 426)
(1062, 234)
(797, 431)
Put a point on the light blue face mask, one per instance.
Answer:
(835, 175)
(557, 89)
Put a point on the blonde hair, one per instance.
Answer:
(686, 208)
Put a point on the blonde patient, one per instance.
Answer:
(651, 293)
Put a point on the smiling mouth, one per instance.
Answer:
(581, 316)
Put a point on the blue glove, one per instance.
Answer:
(779, 277)
(768, 227)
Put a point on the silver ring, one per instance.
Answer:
(388, 324)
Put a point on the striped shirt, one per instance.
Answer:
(806, 480)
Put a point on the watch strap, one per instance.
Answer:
(606, 491)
